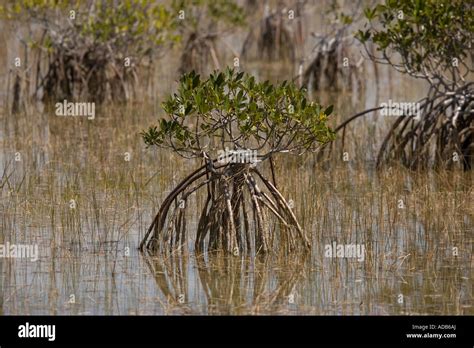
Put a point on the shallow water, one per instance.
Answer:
(88, 258)
(418, 258)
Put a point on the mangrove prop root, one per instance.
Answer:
(243, 213)
(441, 136)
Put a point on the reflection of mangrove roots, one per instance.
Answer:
(231, 285)
(235, 216)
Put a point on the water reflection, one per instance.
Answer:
(230, 285)
(89, 255)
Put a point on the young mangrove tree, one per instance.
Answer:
(235, 125)
(430, 40)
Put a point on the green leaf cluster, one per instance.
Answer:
(236, 110)
(137, 26)
(426, 34)
(227, 12)
(133, 23)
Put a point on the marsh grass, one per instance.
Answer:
(90, 251)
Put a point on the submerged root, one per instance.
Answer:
(235, 217)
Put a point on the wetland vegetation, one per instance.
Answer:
(395, 193)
